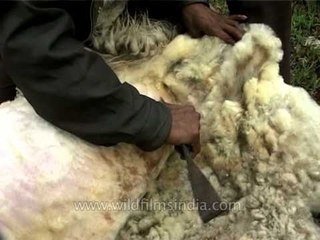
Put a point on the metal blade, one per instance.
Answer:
(204, 194)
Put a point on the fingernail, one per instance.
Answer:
(244, 16)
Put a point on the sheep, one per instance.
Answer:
(260, 141)
(259, 138)
(46, 172)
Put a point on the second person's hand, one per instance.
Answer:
(199, 19)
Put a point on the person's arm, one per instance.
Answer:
(197, 17)
(7, 88)
(163, 9)
(70, 87)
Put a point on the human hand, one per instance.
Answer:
(185, 127)
(200, 19)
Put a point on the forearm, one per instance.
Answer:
(162, 9)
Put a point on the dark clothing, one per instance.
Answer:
(41, 47)
(7, 88)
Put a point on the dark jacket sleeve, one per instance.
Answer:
(71, 87)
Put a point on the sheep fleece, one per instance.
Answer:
(260, 148)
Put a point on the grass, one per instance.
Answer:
(305, 58)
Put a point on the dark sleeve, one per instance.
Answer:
(73, 88)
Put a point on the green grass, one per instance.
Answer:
(305, 59)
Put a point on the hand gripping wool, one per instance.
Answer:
(260, 149)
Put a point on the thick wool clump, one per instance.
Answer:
(260, 150)
(260, 140)
(117, 33)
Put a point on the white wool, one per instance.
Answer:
(260, 149)
(119, 34)
(260, 141)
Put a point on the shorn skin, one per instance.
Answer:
(44, 171)
(260, 148)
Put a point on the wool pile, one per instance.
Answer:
(260, 141)
(260, 148)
